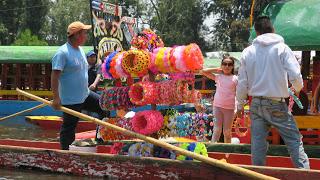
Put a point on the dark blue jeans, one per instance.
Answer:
(68, 128)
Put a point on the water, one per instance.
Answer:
(18, 128)
(19, 174)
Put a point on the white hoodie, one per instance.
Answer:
(265, 67)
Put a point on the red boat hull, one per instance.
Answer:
(124, 167)
(232, 158)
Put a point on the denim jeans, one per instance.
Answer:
(265, 113)
(68, 128)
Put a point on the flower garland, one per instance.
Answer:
(105, 67)
(108, 134)
(166, 128)
(141, 150)
(118, 66)
(186, 76)
(198, 148)
(167, 125)
(193, 58)
(177, 59)
(168, 92)
(159, 62)
(146, 40)
(153, 68)
(166, 62)
(147, 122)
(112, 69)
(136, 62)
(184, 124)
(115, 98)
(149, 150)
(143, 93)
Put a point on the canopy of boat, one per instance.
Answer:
(44, 54)
(30, 54)
(297, 21)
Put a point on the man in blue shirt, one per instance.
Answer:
(69, 82)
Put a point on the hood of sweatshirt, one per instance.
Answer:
(268, 39)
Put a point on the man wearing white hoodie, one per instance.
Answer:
(263, 74)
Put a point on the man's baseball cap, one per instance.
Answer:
(75, 27)
(90, 53)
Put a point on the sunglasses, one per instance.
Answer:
(227, 64)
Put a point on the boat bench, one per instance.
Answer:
(309, 126)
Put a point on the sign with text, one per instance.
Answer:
(111, 30)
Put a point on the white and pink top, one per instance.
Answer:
(225, 95)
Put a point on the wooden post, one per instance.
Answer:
(4, 73)
(305, 62)
(47, 77)
(315, 71)
(18, 76)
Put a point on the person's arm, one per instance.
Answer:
(292, 67)
(58, 63)
(212, 70)
(242, 87)
(55, 75)
(94, 85)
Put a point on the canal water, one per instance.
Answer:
(18, 128)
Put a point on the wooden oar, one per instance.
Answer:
(24, 111)
(211, 161)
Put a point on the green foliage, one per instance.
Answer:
(17, 15)
(3, 34)
(35, 18)
(231, 30)
(27, 39)
(178, 22)
(12, 17)
(61, 14)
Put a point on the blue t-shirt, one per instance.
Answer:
(73, 82)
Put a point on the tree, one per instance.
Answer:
(3, 34)
(61, 14)
(232, 26)
(35, 17)
(12, 18)
(17, 15)
(178, 22)
(27, 39)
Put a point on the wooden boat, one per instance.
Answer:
(46, 156)
(216, 163)
(54, 122)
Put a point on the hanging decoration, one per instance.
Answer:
(147, 122)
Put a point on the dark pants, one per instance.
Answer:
(68, 128)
